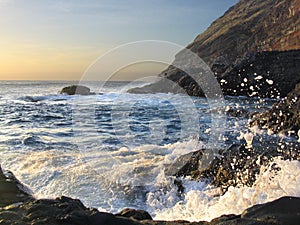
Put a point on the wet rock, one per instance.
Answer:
(237, 165)
(283, 211)
(63, 211)
(66, 211)
(76, 90)
(185, 164)
(11, 190)
(134, 214)
(237, 113)
(191, 165)
(283, 117)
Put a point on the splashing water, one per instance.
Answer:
(39, 145)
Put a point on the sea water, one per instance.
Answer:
(110, 150)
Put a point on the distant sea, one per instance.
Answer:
(110, 150)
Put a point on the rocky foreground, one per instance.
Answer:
(18, 207)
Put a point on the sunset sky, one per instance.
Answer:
(58, 40)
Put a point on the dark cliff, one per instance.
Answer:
(254, 37)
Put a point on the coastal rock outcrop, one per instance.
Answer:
(76, 90)
(237, 165)
(11, 190)
(251, 49)
(283, 117)
(67, 211)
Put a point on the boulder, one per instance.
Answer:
(76, 90)
(134, 214)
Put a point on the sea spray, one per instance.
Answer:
(203, 202)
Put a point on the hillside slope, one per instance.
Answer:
(233, 47)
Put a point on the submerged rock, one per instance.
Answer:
(76, 90)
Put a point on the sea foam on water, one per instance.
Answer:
(249, 138)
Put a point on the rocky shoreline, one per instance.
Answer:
(256, 61)
(20, 208)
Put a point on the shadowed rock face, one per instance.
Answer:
(76, 90)
(11, 190)
(264, 74)
(247, 39)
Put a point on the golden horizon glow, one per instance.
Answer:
(54, 40)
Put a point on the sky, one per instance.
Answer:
(59, 39)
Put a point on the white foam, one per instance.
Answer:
(108, 180)
(249, 138)
(200, 203)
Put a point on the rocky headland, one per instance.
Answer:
(253, 50)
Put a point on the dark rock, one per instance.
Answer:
(11, 190)
(284, 116)
(134, 214)
(256, 36)
(266, 74)
(67, 211)
(76, 90)
(285, 210)
(238, 165)
(191, 165)
(237, 113)
(185, 164)
(60, 211)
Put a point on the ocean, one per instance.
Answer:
(110, 150)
